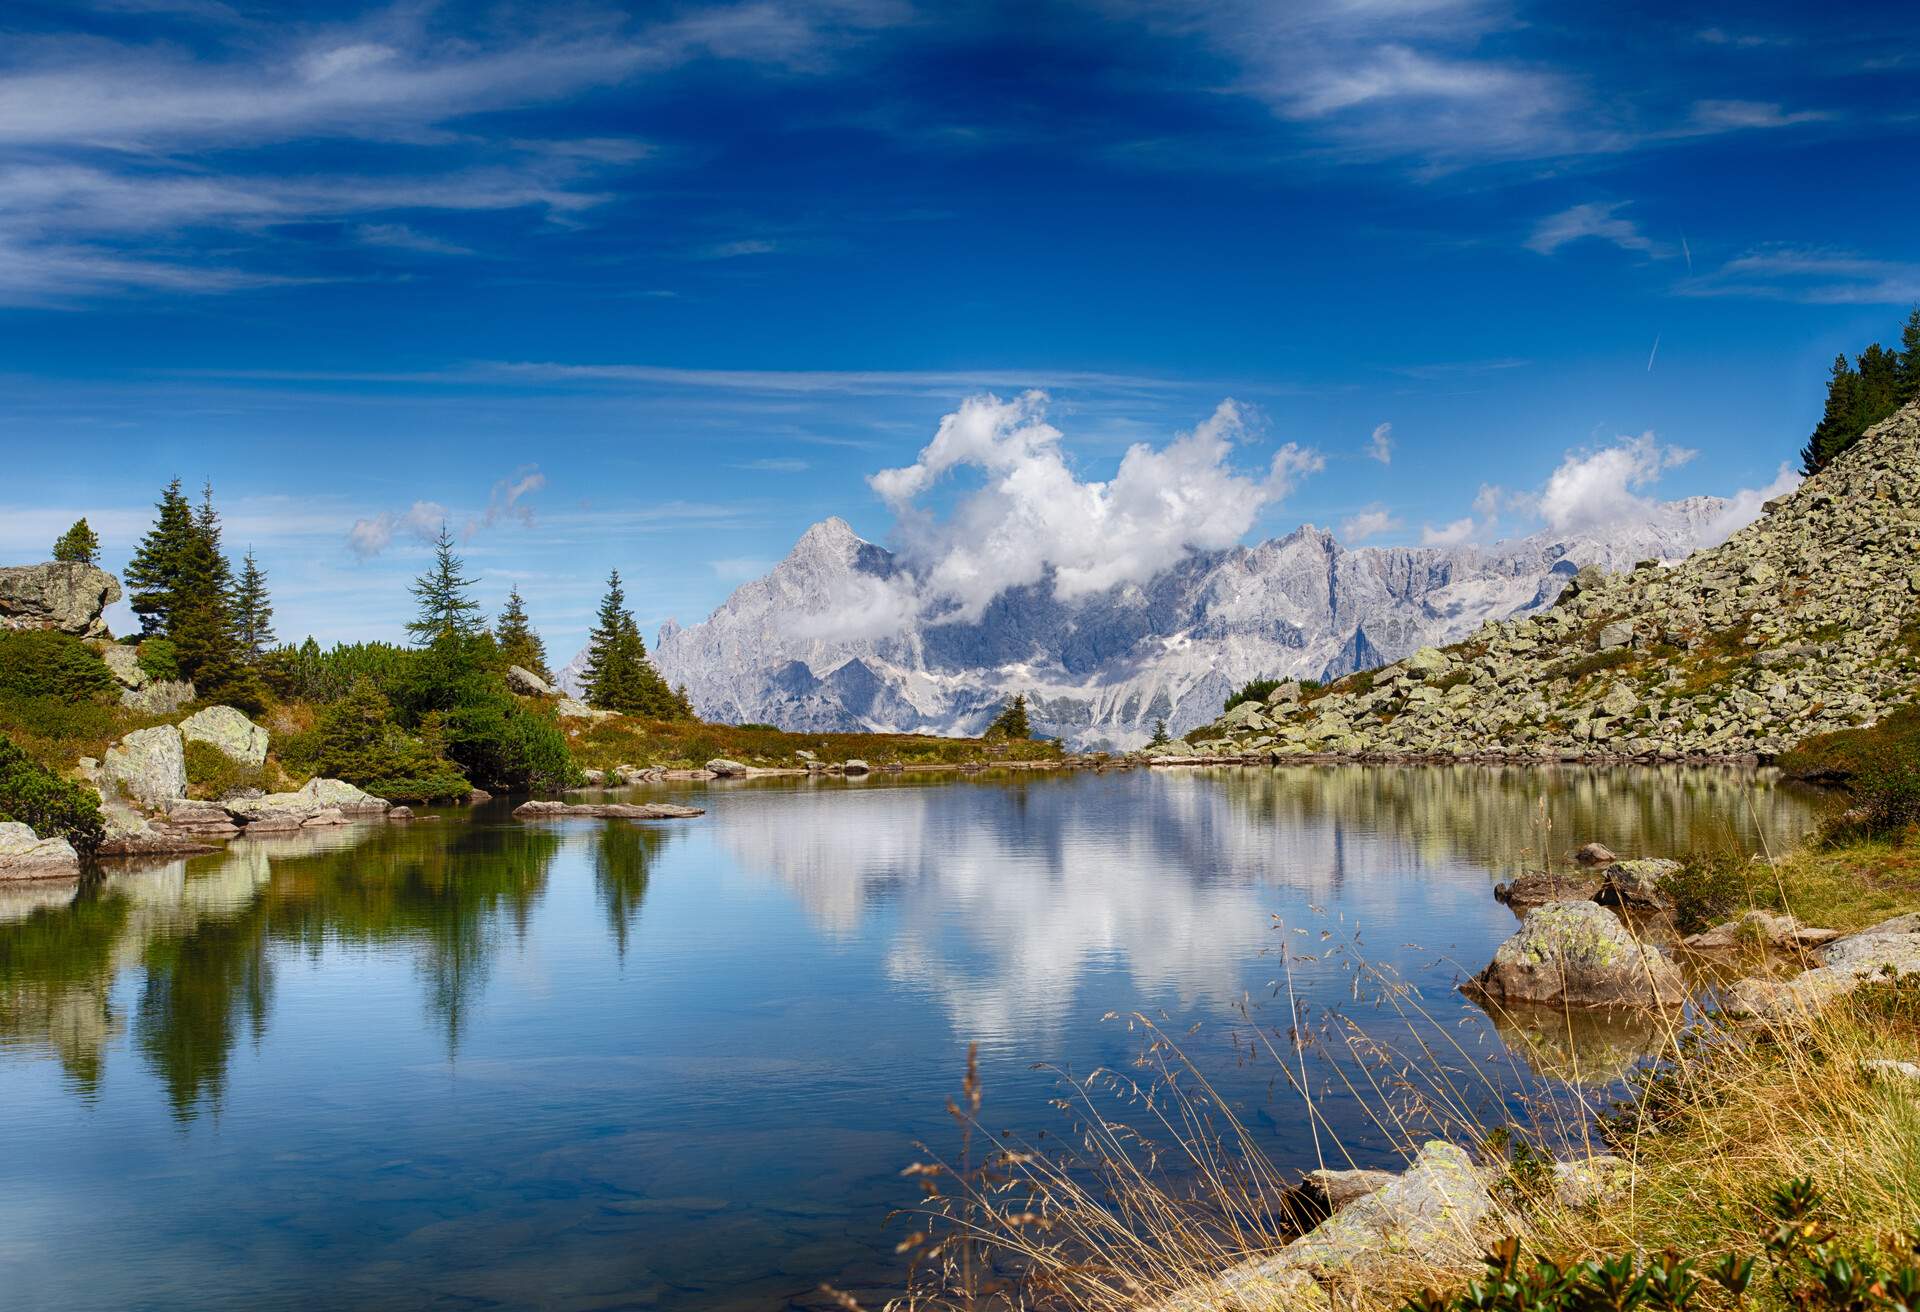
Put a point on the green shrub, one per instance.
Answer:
(53, 807)
(212, 774)
(357, 740)
(1879, 767)
(58, 731)
(41, 663)
(501, 744)
(1255, 691)
(1710, 887)
(160, 658)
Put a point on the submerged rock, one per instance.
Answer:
(1579, 954)
(605, 811)
(1595, 854)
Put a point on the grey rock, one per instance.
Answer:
(1578, 954)
(604, 811)
(1636, 885)
(148, 766)
(124, 663)
(1595, 854)
(1527, 892)
(58, 595)
(1883, 951)
(1590, 1181)
(855, 766)
(529, 684)
(232, 733)
(1617, 634)
(160, 697)
(25, 855)
(726, 769)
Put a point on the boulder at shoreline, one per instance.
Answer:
(1578, 954)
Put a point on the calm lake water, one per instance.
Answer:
(475, 1063)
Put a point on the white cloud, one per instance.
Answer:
(401, 237)
(1034, 516)
(1743, 507)
(1369, 523)
(1593, 488)
(738, 569)
(504, 502)
(1447, 535)
(1738, 115)
(1599, 222)
(775, 465)
(369, 537)
(1813, 275)
(1380, 445)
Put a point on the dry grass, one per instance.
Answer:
(1159, 1187)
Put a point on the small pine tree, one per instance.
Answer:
(79, 545)
(519, 644)
(154, 574)
(1160, 738)
(443, 594)
(253, 610)
(1012, 720)
(1909, 358)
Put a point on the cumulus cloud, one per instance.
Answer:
(1591, 488)
(369, 537)
(1033, 517)
(1743, 507)
(1369, 523)
(1447, 535)
(1380, 445)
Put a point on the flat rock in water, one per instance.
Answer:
(1595, 854)
(25, 855)
(726, 769)
(605, 811)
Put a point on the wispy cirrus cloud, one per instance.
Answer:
(1596, 221)
(1812, 275)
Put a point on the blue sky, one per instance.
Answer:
(657, 286)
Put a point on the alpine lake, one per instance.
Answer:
(473, 1062)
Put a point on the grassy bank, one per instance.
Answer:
(688, 744)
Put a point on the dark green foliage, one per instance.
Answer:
(306, 673)
(502, 744)
(618, 676)
(79, 545)
(51, 806)
(443, 595)
(519, 644)
(252, 610)
(1256, 691)
(159, 658)
(212, 774)
(154, 575)
(1712, 885)
(1862, 394)
(42, 663)
(1879, 767)
(1012, 720)
(1160, 738)
(1799, 1256)
(357, 740)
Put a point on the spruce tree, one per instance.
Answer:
(79, 545)
(154, 574)
(253, 610)
(608, 674)
(203, 622)
(1909, 358)
(1877, 394)
(1012, 720)
(519, 644)
(446, 608)
(1160, 738)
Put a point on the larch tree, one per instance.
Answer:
(443, 597)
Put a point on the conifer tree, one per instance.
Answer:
(446, 608)
(1160, 738)
(519, 644)
(1909, 358)
(154, 574)
(79, 545)
(253, 610)
(618, 675)
(1012, 720)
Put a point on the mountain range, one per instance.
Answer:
(792, 648)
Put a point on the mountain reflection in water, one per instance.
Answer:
(476, 1061)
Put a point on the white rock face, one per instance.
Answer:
(148, 766)
(236, 736)
(1105, 668)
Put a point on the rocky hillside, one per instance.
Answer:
(801, 648)
(1805, 621)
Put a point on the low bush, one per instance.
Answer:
(212, 774)
(160, 658)
(56, 731)
(1879, 767)
(1255, 691)
(355, 739)
(502, 744)
(41, 663)
(53, 807)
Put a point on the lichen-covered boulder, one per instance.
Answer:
(161, 697)
(527, 683)
(236, 737)
(1638, 885)
(124, 664)
(148, 766)
(343, 796)
(61, 595)
(26, 855)
(1579, 954)
(727, 769)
